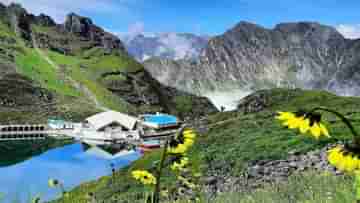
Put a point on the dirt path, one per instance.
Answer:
(82, 88)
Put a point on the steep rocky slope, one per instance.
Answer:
(249, 57)
(73, 70)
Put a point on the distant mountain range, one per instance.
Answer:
(165, 46)
(249, 57)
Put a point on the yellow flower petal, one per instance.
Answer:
(144, 177)
(315, 130)
(285, 115)
(304, 125)
(343, 160)
(324, 130)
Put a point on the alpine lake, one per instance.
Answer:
(27, 166)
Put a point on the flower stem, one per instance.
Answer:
(344, 120)
(156, 198)
(156, 193)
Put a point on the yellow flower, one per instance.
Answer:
(144, 177)
(304, 122)
(53, 183)
(318, 129)
(179, 149)
(290, 119)
(344, 159)
(180, 165)
(304, 125)
(181, 143)
(189, 134)
(285, 115)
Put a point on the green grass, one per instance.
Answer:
(240, 138)
(259, 136)
(5, 30)
(89, 77)
(310, 187)
(32, 65)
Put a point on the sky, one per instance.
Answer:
(206, 17)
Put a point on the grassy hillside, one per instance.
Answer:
(235, 138)
(68, 77)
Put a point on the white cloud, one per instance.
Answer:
(59, 9)
(349, 31)
(136, 28)
(179, 44)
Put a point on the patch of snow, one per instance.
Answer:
(227, 99)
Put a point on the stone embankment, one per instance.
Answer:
(270, 171)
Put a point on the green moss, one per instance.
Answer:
(184, 103)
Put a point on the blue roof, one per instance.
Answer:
(161, 119)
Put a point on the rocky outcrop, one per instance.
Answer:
(270, 171)
(44, 20)
(305, 55)
(139, 88)
(17, 91)
(78, 36)
(178, 74)
(59, 37)
(19, 21)
(84, 27)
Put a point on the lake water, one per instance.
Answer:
(70, 164)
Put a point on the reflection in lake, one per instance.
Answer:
(72, 164)
(13, 152)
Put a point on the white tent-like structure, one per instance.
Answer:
(102, 120)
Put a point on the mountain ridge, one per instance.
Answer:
(72, 62)
(250, 57)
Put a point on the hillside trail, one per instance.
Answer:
(82, 88)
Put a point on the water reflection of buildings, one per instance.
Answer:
(107, 151)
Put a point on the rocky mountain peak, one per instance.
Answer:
(44, 20)
(17, 17)
(309, 30)
(84, 27)
(16, 9)
(249, 57)
(78, 25)
(245, 27)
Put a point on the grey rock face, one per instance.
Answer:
(45, 20)
(270, 171)
(179, 74)
(78, 25)
(84, 27)
(19, 21)
(305, 55)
